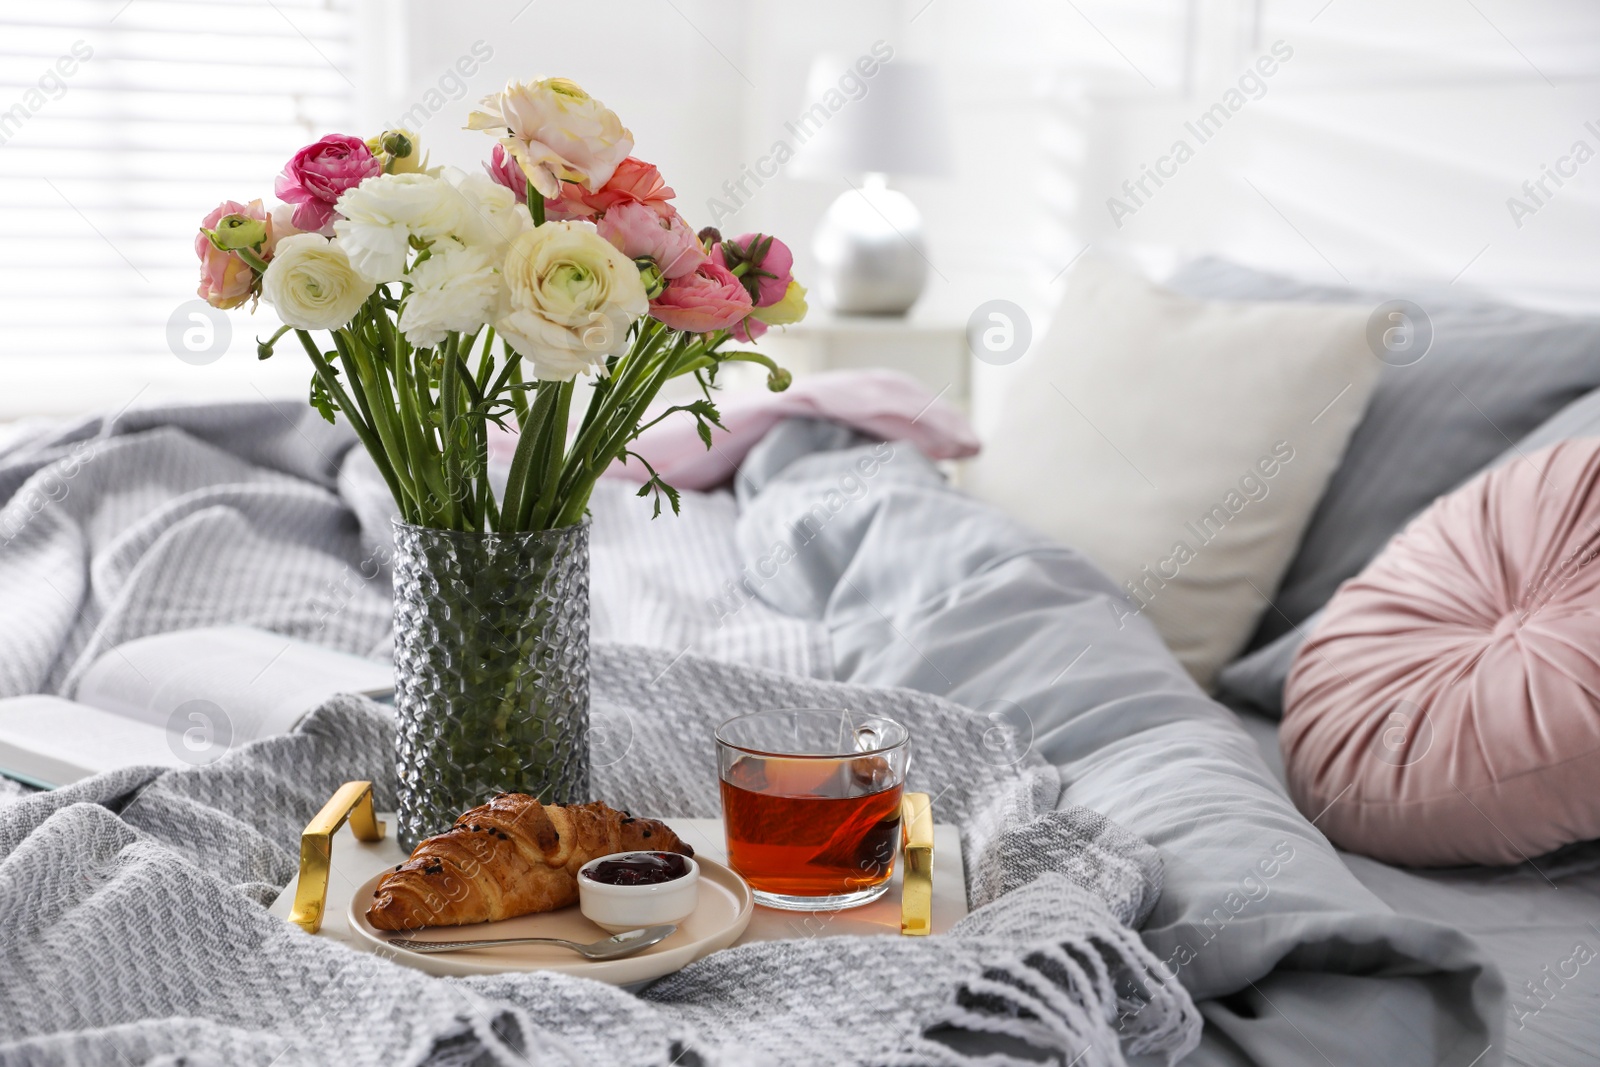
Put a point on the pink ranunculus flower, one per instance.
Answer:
(769, 265)
(709, 299)
(504, 170)
(226, 281)
(640, 233)
(318, 174)
(633, 182)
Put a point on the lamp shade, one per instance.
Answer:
(894, 122)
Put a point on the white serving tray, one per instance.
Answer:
(356, 862)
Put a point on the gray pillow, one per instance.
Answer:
(1256, 680)
(1493, 373)
(1581, 418)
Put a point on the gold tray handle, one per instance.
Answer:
(916, 844)
(353, 801)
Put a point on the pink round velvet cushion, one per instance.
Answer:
(1446, 709)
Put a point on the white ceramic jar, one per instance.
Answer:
(615, 908)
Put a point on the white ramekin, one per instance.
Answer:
(615, 908)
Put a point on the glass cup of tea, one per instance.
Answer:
(811, 804)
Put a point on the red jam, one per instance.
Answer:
(638, 868)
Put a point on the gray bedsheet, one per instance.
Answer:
(1295, 961)
(1539, 921)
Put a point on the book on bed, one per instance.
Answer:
(177, 699)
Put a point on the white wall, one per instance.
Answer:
(683, 102)
(707, 87)
(1386, 147)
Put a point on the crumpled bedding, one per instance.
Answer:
(135, 931)
(904, 582)
(1292, 958)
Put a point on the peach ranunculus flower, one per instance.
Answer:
(633, 182)
(226, 280)
(556, 132)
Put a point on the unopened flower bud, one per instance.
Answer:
(237, 231)
(650, 276)
(396, 143)
(398, 151)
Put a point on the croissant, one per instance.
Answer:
(512, 856)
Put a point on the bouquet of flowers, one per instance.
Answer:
(455, 300)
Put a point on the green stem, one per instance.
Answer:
(624, 429)
(554, 454)
(253, 259)
(264, 348)
(381, 408)
(485, 361)
(382, 414)
(478, 477)
(777, 378)
(519, 397)
(513, 366)
(424, 429)
(546, 439)
(528, 431)
(413, 415)
(603, 408)
(450, 407)
(369, 439)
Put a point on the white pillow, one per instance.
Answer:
(1180, 444)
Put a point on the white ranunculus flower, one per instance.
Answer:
(382, 214)
(556, 132)
(312, 284)
(458, 287)
(572, 297)
(490, 213)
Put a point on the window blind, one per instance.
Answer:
(121, 124)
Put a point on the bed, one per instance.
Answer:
(906, 583)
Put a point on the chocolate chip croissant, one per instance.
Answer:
(512, 856)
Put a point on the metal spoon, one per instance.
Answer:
(609, 948)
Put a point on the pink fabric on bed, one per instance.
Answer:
(879, 403)
(1446, 710)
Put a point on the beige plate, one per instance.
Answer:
(721, 916)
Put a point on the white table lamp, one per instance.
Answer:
(870, 244)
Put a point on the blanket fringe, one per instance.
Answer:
(1063, 998)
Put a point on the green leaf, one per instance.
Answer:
(655, 485)
(321, 400)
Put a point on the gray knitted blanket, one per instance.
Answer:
(133, 927)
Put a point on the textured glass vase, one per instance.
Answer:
(491, 655)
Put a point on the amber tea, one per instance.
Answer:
(835, 839)
(812, 829)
